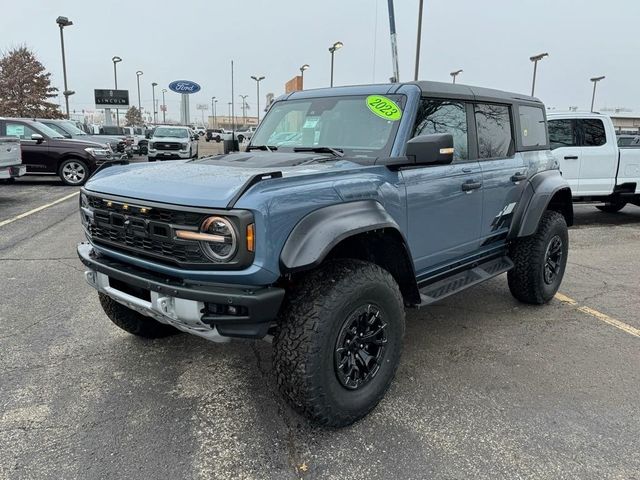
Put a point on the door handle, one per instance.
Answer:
(470, 185)
(467, 169)
(518, 177)
(571, 157)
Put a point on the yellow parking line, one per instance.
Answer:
(600, 316)
(36, 210)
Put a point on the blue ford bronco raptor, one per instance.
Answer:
(348, 205)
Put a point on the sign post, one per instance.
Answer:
(110, 98)
(184, 88)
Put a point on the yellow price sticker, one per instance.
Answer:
(384, 107)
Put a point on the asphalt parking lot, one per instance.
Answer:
(487, 387)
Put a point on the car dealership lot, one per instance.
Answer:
(487, 387)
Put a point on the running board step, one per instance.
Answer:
(463, 280)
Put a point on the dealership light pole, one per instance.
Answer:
(231, 120)
(64, 22)
(164, 107)
(418, 41)
(153, 96)
(455, 74)
(535, 59)
(115, 61)
(595, 81)
(394, 43)
(332, 50)
(258, 79)
(244, 109)
(138, 75)
(213, 111)
(302, 69)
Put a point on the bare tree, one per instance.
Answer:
(25, 86)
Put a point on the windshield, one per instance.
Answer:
(171, 132)
(49, 132)
(350, 124)
(70, 127)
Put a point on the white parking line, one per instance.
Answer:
(36, 210)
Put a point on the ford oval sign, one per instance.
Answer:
(184, 86)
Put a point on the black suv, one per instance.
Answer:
(68, 129)
(46, 151)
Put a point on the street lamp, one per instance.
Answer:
(258, 80)
(164, 107)
(595, 80)
(153, 96)
(231, 120)
(455, 74)
(64, 22)
(139, 73)
(244, 109)
(535, 59)
(115, 61)
(213, 111)
(302, 69)
(332, 50)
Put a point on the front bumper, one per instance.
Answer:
(12, 171)
(185, 305)
(169, 154)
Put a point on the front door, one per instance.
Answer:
(35, 155)
(444, 202)
(565, 146)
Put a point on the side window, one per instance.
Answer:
(57, 129)
(23, 132)
(444, 116)
(495, 138)
(532, 127)
(593, 134)
(562, 134)
(625, 141)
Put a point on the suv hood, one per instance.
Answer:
(79, 143)
(211, 182)
(170, 139)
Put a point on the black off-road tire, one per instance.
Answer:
(527, 278)
(611, 207)
(311, 321)
(133, 322)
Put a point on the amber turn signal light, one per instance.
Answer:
(251, 237)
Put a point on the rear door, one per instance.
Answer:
(503, 171)
(599, 157)
(565, 146)
(444, 202)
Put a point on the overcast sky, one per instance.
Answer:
(491, 40)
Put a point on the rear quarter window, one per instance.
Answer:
(533, 130)
(592, 131)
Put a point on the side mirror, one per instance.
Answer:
(37, 137)
(431, 149)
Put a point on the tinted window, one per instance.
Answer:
(443, 116)
(625, 141)
(532, 128)
(57, 128)
(562, 134)
(593, 134)
(493, 124)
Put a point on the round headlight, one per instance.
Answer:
(219, 250)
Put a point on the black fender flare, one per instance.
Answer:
(542, 189)
(318, 232)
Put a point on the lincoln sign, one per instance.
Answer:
(112, 98)
(184, 86)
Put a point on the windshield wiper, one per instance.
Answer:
(266, 148)
(336, 152)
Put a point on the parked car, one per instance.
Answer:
(45, 151)
(394, 196)
(629, 141)
(173, 143)
(200, 130)
(140, 142)
(217, 135)
(245, 133)
(68, 129)
(10, 159)
(119, 132)
(586, 148)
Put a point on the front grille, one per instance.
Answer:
(146, 230)
(167, 146)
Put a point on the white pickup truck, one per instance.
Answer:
(11, 159)
(597, 170)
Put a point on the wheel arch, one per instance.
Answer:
(549, 192)
(361, 230)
